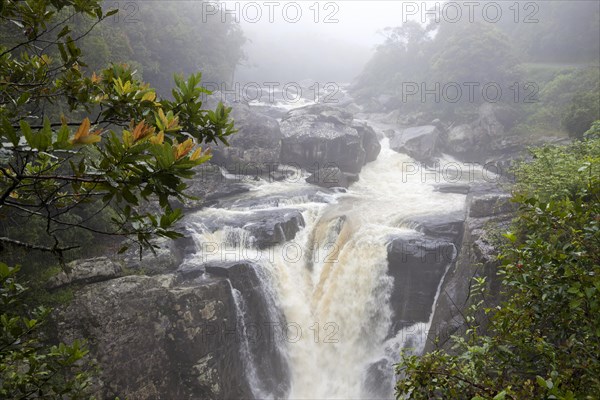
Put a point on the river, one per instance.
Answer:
(331, 281)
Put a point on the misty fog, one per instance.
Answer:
(302, 200)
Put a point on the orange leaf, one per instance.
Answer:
(83, 130)
(158, 139)
(196, 154)
(141, 131)
(82, 136)
(95, 78)
(182, 149)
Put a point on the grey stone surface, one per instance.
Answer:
(254, 149)
(267, 227)
(419, 142)
(477, 257)
(319, 136)
(209, 185)
(417, 264)
(86, 271)
(330, 177)
(177, 336)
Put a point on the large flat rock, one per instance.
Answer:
(321, 136)
(180, 336)
(419, 142)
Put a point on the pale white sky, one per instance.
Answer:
(353, 20)
(329, 40)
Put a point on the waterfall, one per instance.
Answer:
(337, 299)
(247, 356)
(331, 281)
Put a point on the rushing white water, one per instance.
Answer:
(247, 355)
(331, 282)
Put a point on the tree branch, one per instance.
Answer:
(36, 247)
(63, 178)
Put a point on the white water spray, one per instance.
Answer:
(331, 282)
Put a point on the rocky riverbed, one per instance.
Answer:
(323, 242)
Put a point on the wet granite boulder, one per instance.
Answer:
(179, 336)
(419, 142)
(320, 135)
(85, 271)
(417, 263)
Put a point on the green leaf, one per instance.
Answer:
(63, 52)
(500, 396)
(64, 31)
(26, 128)
(5, 270)
(573, 304)
(23, 98)
(575, 289)
(9, 131)
(45, 135)
(128, 196)
(74, 51)
(62, 137)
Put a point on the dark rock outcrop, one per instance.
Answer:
(263, 324)
(478, 140)
(487, 211)
(166, 257)
(370, 141)
(419, 142)
(453, 188)
(379, 380)
(209, 185)
(331, 177)
(322, 136)
(462, 139)
(254, 149)
(492, 204)
(154, 341)
(267, 227)
(488, 139)
(269, 230)
(449, 226)
(85, 271)
(178, 337)
(417, 264)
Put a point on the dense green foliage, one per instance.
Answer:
(568, 100)
(444, 54)
(29, 368)
(162, 38)
(548, 70)
(119, 145)
(86, 154)
(156, 39)
(543, 341)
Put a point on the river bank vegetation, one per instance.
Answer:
(89, 150)
(542, 340)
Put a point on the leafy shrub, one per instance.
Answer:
(543, 341)
(28, 367)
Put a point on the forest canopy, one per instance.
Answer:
(89, 150)
(527, 61)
